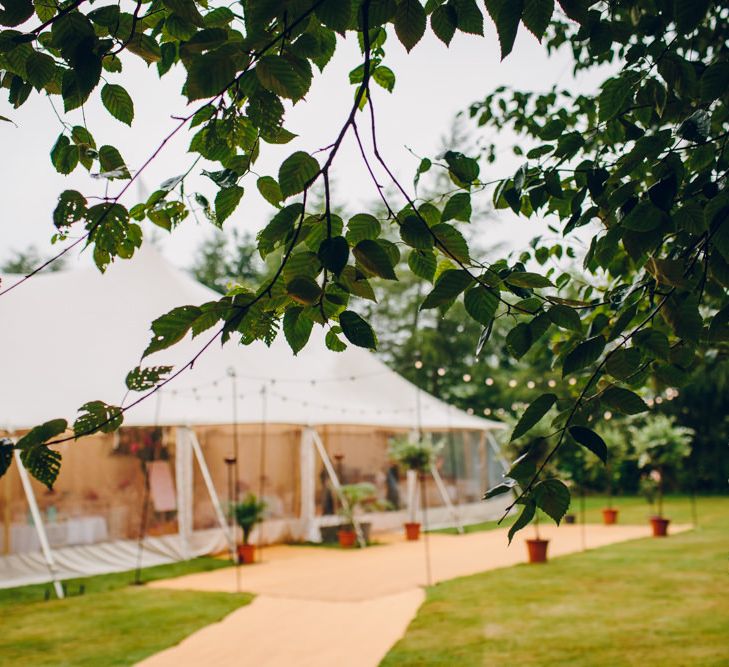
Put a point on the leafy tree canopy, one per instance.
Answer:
(642, 165)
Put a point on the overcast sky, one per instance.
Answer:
(434, 83)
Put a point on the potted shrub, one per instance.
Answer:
(416, 455)
(359, 497)
(616, 439)
(247, 514)
(537, 547)
(661, 446)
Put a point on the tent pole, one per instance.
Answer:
(183, 473)
(38, 522)
(6, 514)
(212, 492)
(307, 486)
(337, 486)
(262, 460)
(444, 494)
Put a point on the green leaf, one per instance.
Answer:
(297, 328)
(623, 363)
(41, 434)
(384, 77)
(714, 81)
(565, 318)
(226, 202)
(304, 290)
(118, 103)
(278, 75)
(464, 169)
(443, 22)
(689, 13)
(505, 487)
(297, 172)
(583, 355)
(332, 341)
(270, 190)
(614, 97)
(373, 258)
(451, 242)
(43, 463)
(591, 440)
(416, 233)
(409, 22)
(362, 226)
(334, 253)
(470, 18)
(356, 330)
(526, 279)
(335, 14)
(643, 218)
(527, 514)
(552, 497)
(653, 342)
(422, 263)
(506, 14)
(40, 69)
(6, 455)
(209, 74)
(97, 416)
(112, 164)
(536, 16)
(171, 328)
(519, 340)
(458, 208)
(624, 400)
(142, 379)
(448, 286)
(533, 414)
(481, 304)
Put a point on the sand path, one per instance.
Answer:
(334, 608)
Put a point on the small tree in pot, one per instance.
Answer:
(661, 446)
(418, 456)
(358, 497)
(247, 514)
(616, 437)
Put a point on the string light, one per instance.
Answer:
(466, 378)
(552, 383)
(487, 411)
(470, 411)
(514, 407)
(441, 372)
(512, 383)
(608, 415)
(572, 382)
(489, 381)
(418, 364)
(659, 400)
(531, 384)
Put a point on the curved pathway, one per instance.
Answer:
(327, 607)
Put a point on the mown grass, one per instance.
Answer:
(114, 623)
(645, 602)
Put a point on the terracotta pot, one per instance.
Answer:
(660, 526)
(246, 553)
(569, 518)
(412, 531)
(609, 516)
(537, 550)
(347, 538)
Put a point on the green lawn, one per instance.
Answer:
(646, 602)
(112, 624)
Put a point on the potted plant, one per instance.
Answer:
(616, 438)
(415, 455)
(358, 497)
(247, 514)
(537, 547)
(661, 446)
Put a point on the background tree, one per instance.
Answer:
(23, 261)
(641, 166)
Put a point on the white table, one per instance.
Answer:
(75, 531)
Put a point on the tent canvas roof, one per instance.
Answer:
(71, 336)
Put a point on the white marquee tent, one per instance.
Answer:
(71, 336)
